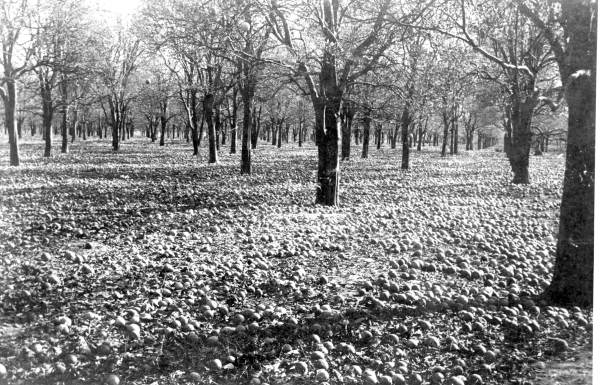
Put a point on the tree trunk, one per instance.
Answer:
(115, 136)
(247, 96)
(255, 127)
(327, 137)
(212, 137)
(47, 112)
(65, 110)
(451, 137)
(217, 124)
(520, 146)
(273, 132)
(279, 132)
(405, 122)
(192, 123)
(455, 132)
(10, 106)
(348, 117)
(75, 126)
(300, 132)
(366, 133)
(233, 123)
(573, 279)
(20, 121)
(445, 133)
(163, 129)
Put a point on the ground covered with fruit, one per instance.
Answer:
(151, 267)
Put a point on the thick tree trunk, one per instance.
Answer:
(573, 279)
(327, 137)
(366, 133)
(115, 136)
(273, 132)
(520, 145)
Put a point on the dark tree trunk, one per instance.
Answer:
(348, 117)
(192, 123)
(327, 137)
(247, 96)
(405, 122)
(115, 136)
(255, 127)
(520, 146)
(64, 126)
(455, 132)
(20, 121)
(10, 106)
(217, 124)
(163, 129)
(64, 132)
(287, 131)
(74, 127)
(273, 132)
(452, 138)
(378, 131)
(212, 137)
(279, 132)
(233, 121)
(573, 279)
(47, 114)
(366, 133)
(301, 132)
(394, 137)
(445, 133)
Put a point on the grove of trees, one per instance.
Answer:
(419, 73)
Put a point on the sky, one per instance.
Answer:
(123, 8)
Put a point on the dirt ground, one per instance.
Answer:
(577, 371)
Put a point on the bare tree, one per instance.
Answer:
(571, 30)
(114, 71)
(15, 61)
(364, 36)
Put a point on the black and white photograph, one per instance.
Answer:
(297, 192)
